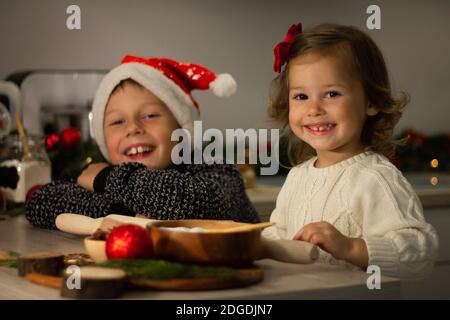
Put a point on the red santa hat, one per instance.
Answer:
(170, 80)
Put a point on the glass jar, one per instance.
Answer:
(12, 148)
(33, 169)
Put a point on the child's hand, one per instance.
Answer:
(329, 239)
(86, 178)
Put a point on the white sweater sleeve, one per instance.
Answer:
(279, 214)
(398, 238)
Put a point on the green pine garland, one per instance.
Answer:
(161, 269)
(69, 163)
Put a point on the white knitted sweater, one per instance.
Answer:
(363, 197)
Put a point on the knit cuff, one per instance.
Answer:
(118, 178)
(118, 208)
(10, 177)
(382, 253)
(100, 179)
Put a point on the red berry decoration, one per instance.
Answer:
(70, 138)
(32, 190)
(51, 141)
(129, 241)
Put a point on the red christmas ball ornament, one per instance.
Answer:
(70, 138)
(32, 190)
(51, 141)
(129, 241)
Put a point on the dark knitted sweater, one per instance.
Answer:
(197, 191)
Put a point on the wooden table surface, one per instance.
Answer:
(282, 280)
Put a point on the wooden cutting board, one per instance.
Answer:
(239, 278)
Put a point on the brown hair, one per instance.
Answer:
(125, 82)
(369, 65)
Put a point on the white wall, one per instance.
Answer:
(235, 37)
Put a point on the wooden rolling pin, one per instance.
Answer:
(83, 225)
(291, 251)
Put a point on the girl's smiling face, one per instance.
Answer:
(138, 127)
(327, 106)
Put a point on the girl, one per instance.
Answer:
(136, 108)
(335, 103)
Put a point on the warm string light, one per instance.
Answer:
(434, 181)
(434, 164)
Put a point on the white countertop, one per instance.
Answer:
(282, 280)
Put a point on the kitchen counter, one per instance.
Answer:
(282, 280)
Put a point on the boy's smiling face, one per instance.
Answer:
(138, 127)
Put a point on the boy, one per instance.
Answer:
(135, 110)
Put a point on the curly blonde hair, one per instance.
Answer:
(369, 65)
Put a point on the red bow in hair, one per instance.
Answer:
(281, 50)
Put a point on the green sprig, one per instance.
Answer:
(10, 263)
(161, 270)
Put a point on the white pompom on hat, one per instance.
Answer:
(170, 80)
